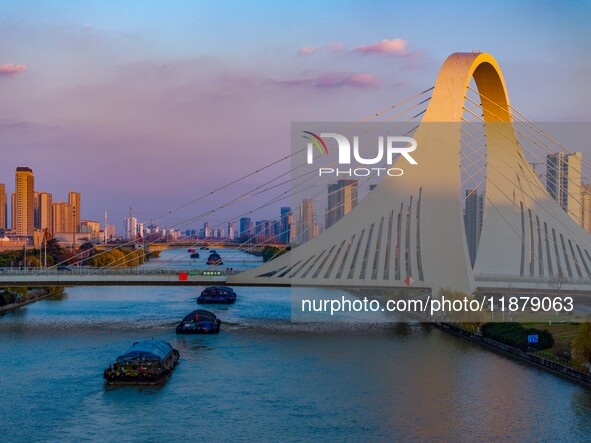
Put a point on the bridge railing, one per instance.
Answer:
(556, 281)
(87, 270)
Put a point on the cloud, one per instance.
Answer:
(396, 47)
(307, 50)
(10, 69)
(334, 81)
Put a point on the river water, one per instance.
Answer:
(264, 378)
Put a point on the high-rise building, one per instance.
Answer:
(473, 216)
(3, 207)
(36, 215)
(342, 197)
(563, 172)
(24, 219)
(586, 204)
(74, 201)
(63, 218)
(130, 228)
(87, 226)
(285, 225)
(245, 227)
(206, 230)
(110, 232)
(231, 229)
(13, 210)
(45, 212)
(306, 220)
(263, 230)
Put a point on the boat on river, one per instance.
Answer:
(214, 259)
(148, 362)
(217, 294)
(199, 322)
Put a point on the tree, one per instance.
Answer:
(582, 343)
(271, 252)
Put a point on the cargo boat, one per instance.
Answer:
(199, 322)
(148, 362)
(214, 259)
(217, 294)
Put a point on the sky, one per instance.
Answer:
(149, 104)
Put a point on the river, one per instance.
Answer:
(264, 378)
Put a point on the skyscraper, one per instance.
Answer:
(13, 210)
(74, 201)
(245, 228)
(306, 220)
(36, 215)
(63, 218)
(473, 216)
(564, 182)
(130, 227)
(24, 219)
(45, 211)
(342, 197)
(3, 207)
(231, 229)
(285, 225)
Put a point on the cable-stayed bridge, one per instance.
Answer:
(411, 231)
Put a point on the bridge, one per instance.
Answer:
(410, 232)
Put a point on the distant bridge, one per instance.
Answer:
(256, 249)
(88, 276)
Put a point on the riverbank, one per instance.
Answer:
(32, 297)
(556, 368)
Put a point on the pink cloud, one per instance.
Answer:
(332, 47)
(10, 69)
(395, 46)
(334, 81)
(307, 50)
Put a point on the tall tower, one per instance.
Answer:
(63, 220)
(3, 207)
(13, 211)
(45, 211)
(24, 205)
(245, 227)
(284, 226)
(342, 197)
(74, 201)
(306, 220)
(564, 182)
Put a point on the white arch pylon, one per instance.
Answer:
(411, 228)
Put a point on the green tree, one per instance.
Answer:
(271, 252)
(582, 343)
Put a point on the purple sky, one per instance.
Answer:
(154, 103)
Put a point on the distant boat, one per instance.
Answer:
(217, 294)
(214, 259)
(199, 322)
(195, 255)
(148, 362)
(191, 250)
